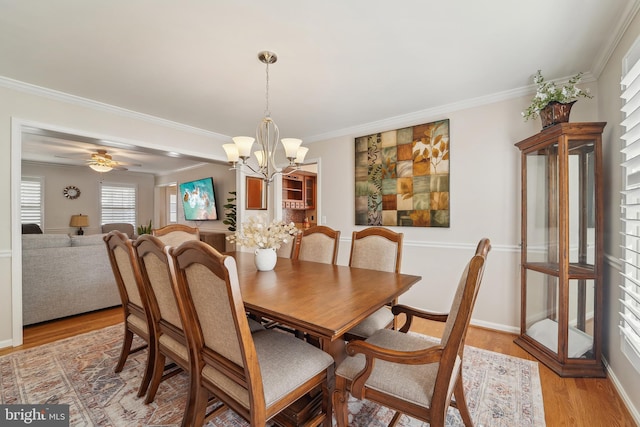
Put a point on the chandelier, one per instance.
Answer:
(267, 136)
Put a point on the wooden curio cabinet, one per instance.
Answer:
(562, 232)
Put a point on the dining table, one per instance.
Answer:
(321, 300)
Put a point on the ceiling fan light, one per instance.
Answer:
(101, 168)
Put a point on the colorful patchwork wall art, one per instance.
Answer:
(402, 177)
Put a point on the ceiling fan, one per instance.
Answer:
(101, 161)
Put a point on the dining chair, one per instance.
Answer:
(412, 373)
(289, 249)
(175, 234)
(256, 375)
(136, 322)
(375, 248)
(319, 244)
(167, 332)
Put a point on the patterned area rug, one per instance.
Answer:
(501, 390)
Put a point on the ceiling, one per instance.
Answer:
(341, 64)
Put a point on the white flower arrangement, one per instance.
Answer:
(257, 232)
(548, 92)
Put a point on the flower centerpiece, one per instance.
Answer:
(265, 237)
(552, 102)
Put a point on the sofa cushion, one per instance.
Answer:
(39, 241)
(90, 240)
(31, 229)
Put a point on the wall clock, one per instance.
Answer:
(71, 192)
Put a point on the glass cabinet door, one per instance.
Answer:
(542, 247)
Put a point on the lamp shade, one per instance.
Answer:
(79, 221)
(232, 152)
(244, 144)
(300, 155)
(291, 146)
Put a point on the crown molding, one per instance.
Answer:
(411, 119)
(615, 36)
(106, 108)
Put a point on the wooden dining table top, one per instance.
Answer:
(323, 300)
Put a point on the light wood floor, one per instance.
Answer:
(567, 401)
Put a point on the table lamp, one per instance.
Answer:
(79, 221)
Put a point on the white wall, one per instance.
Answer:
(484, 201)
(609, 103)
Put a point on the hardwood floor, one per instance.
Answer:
(567, 401)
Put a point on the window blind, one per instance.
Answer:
(630, 286)
(118, 203)
(31, 209)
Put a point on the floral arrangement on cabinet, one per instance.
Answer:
(548, 92)
(259, 233)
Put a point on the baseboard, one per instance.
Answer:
(635, 413)
(6, 344)
(496, 326)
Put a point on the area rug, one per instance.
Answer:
(501, 390)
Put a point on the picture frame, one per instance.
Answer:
(256, 194)
(402, 177)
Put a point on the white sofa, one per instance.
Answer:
(63, 275)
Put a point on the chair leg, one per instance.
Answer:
(340, 407)
(126, 348)
(196, 406)
(148, 371)
(156, 378)
(461, 402)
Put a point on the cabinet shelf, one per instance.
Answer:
(576, 271)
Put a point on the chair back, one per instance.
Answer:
(157, 281)
(123, 227)
(319, 244)
(455, 331)
(175, 234)
(219, 338)
(376, 248)
(289, 249)
(127, 274)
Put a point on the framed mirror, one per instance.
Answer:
(256, 193)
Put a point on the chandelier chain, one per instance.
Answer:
(267, 113)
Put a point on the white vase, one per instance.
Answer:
(266, 259)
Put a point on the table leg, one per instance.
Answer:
(336, 348)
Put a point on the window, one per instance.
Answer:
(173, 204)
(118, 203)
(630, 287)
(31, 207)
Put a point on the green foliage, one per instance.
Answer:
(230, 212)
(547, 92)
(144, 229)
